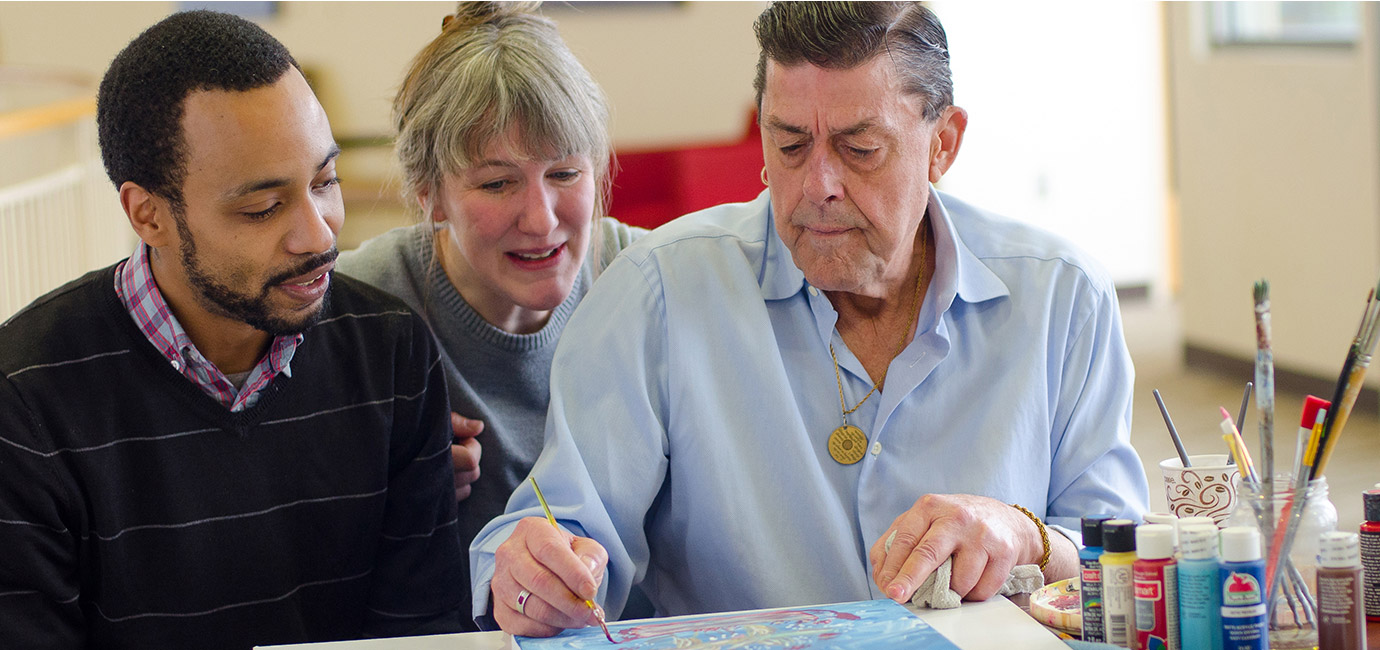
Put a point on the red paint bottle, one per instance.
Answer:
(1157, 588)
(1370, 552)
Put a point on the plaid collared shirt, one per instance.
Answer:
(135, 286)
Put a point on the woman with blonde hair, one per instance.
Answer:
(503, 141)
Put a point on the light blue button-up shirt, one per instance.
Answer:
(692, 397)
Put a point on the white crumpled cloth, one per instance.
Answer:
(936, 593)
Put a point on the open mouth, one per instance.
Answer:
(533, 257)
(307, 283)
(536, 257)
(309, 286)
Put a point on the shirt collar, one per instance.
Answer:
(958, 271)
(138, 291)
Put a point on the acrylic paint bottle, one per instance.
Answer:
(1157, 588)
(1090, 578)
(1241, 575)
(1341, 621)
(1200, 595)
(1118, 584)
(1196, 519)
(1169, 519)
(1370, 552)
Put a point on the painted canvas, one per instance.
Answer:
(862, 625)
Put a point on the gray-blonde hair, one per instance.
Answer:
(495, 65)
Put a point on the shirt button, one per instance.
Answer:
(814, 291)
(176, 365)
(876, 448)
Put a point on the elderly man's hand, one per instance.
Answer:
(552, 572)
(987, 538)
(464, 453)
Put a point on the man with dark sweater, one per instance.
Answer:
(216, 443)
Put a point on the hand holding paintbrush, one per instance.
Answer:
(545, 578)
(598, 612)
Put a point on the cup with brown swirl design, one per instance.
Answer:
(1206, 488)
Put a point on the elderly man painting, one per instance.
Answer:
(757, 397)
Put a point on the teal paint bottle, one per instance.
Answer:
(1090, 578)
(1200, 595)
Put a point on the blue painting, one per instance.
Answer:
(862, 625)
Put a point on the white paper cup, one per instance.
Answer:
(1207, 488)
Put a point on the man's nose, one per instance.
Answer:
(317, 223)
(823, 177)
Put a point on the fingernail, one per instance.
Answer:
(895, 591)
(591, 564)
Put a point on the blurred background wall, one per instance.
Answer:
(1190, 167)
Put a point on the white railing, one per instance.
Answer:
(60, 223)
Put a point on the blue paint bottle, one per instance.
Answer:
(1090, 578)
(1200, 595)
(1242, 578)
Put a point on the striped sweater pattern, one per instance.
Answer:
(138, 512)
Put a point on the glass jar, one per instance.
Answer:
(1293, 612)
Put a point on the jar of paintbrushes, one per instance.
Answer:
(1293, 606)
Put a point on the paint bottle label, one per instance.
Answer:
(1090, 590)
(1370, 562)
(1118, 603)
(1243, 607)
(1157, 604)
(1339, 609)
(1200, 605)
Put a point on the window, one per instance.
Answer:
(1285, 23)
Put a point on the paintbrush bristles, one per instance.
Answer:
(1367, 335)
(1349, 383)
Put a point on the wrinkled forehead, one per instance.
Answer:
(810, 97)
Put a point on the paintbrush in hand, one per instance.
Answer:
(598, 613)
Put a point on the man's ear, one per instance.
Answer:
(150, 215)
(948, 137)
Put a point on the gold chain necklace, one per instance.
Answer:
(848, 443)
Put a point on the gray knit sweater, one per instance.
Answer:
(500, 378)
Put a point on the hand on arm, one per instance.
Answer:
(464, 453)
(558, 569)
(986, 538)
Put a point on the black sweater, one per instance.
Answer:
(138, 512)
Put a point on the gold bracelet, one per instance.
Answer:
(1044, 533)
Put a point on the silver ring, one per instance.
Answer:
(522, 601)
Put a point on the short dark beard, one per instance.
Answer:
(251, 310)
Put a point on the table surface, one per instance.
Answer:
(995, 624)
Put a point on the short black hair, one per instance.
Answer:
(140, 103)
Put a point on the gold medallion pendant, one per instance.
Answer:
(847, 444)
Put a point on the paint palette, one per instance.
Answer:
(1059, 605)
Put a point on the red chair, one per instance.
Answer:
(652, 187)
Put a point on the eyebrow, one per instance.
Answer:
(491, 162)
(776, 123)
(272, 183)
